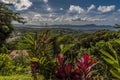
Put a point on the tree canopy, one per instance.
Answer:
(6, 18)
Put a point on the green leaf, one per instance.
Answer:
(91, 73)
(34, 59)
(115, 73)
(107, 54)
(29, 41)
(29, 35)
(60, 38)
(108, 60)
(66, 48)
(112, 50)
(41, 77)
(118, 41)
(42, 60)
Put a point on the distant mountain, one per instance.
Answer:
(117, 26)
(86, 25)
(61, 25)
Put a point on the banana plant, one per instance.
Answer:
(39, 49)
(33, 46)
(112, 59)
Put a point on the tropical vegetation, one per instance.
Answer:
(51, 54)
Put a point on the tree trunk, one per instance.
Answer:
(34, 69)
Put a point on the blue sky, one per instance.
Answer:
(77, 12)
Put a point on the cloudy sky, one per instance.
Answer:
(76, 12)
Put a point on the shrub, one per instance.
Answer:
(79, 71)
(6, 65)
(112, 60)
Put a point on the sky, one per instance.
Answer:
(73, 12)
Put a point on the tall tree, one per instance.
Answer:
(6, 18)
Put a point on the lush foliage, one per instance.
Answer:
(56, 54)
(43, 49)
(9, 66)
(16, 77)
(6, 18)
(97, 36)
(6, 65)
(77, 71)
(112, 59)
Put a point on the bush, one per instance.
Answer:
(6, 65)
(81, 70)
(22, 64)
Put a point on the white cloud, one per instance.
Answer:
(77, 9)
(104, 9)
(51, 18)
(23, 5)
(5, 1)
(49, 9)
(51, 15)
(67, 18)
(94, 19)
(91, 8)
(45, 1)
(87, 18)
(19, 4)
(61, 9)
(38, 18)
(118, 10)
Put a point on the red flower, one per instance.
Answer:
(60, 59)
(67, 71)
(68, 68)
(86, 63)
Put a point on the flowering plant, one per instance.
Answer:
(79, 71)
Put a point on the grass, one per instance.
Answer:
(16, 77)
(20, 77)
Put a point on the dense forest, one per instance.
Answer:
(56, 54)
